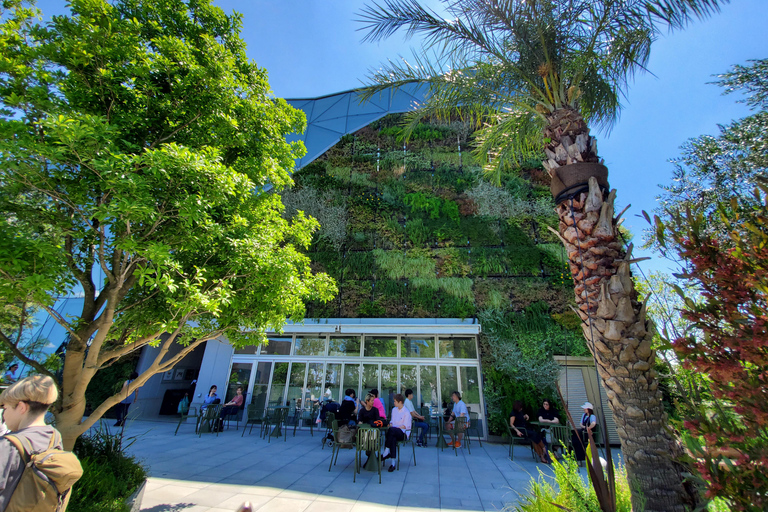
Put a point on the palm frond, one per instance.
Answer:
(510, 137)
(678, 13)
(497, 56)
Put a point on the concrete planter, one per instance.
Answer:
(134, 500)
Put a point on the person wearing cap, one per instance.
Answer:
(588, 424)
(588, 420)
(24, 405)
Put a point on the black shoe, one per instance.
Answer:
(366, 461)
(391, 469)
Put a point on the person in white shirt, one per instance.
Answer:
(399, 429)
(416, 418)
(459, 411)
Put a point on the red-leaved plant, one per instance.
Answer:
(727, 342)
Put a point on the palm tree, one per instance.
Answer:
(534, 75)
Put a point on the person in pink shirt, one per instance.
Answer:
(377, 403)
(231, 407)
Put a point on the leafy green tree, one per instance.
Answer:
(537, 73)
(137, 146)
(713, 170)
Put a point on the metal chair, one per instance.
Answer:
(191, 413)
(560, 438)
(459, 427)
(474, 421)
(237, 416)
(207, 420)
(338, 445)
(309, 415)
(253, 415)
(429, 420)
(277, 421)
(367, 440)
(433, 422)
(406, 440)
(521, 440)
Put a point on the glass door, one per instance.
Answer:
(296, 385)
(261, 384)
(351, 379)
(388, 388)
(240, 376)
(277, 390)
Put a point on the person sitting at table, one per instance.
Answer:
(369, 415)
(329, 405)
(231, 407)
(378, 404)
(446, 411)
(459, 410)
(547, 414)
(399, 429)
(347, 414)
(416, 418)
(211, 399)
(518, 421)
(368, 412)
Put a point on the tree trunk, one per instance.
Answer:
(615, 325)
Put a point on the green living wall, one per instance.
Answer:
(410, 230)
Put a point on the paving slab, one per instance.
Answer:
(218, 473)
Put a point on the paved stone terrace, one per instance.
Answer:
(217, 474)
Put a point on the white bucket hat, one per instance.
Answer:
(587, 405)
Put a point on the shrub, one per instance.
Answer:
(726, 342)
(569, 491)
(320, 205)
(109, 475)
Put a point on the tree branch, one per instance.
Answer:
(174, 132)
(20, 355)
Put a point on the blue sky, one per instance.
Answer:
(312, 47)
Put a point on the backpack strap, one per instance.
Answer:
(24, 447)
(24, 451)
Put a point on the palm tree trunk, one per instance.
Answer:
(615, 325)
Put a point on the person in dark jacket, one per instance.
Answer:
(368, 412)
(347, 414)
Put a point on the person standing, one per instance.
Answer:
(24, 405)
(417, 419)
(129, 398)
(580, 439)
(10, 375)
